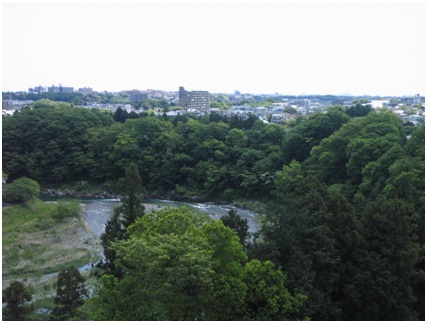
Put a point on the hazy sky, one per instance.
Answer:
(373, 49)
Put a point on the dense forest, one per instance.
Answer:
(342, 237)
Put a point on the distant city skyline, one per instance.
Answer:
(85, 89)
(285, 48)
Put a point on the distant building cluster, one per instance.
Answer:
(59, 89)
(410, 109)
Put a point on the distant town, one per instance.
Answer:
(269, 108)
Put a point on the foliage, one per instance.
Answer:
(238, 224)
(123, 216)
(45, 141)
(310, 229)
(16, 297)
(67, 209)
(388, 276)
(70, 294)
(309, 133)
(21, 190)
(181, 266)
(341, 157)
(267, 297)
(345, 217)
(359, 109)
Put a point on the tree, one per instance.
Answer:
(359, 109)
(120, 115)
(267, 298)
(387, 286)
(170, 267)
(16, 296)
(21, 190)
(342, 156)
(311, 131)
(46, 141)
(113, 231)
(123, 216)
(70, 294)
(238, 224)
(181, 266)
(131, 187)
(297, 236)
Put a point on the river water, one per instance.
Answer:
(98, 211)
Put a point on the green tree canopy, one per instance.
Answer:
(267, 297)
(178, 265)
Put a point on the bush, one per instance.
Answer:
(67, 209)
(21, 190)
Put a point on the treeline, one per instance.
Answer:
(77, 98)
(209, 157)
(345, 192)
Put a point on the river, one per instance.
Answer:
(98, 211)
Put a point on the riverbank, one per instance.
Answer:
(86, 192)
(35, 246)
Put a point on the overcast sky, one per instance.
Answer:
(373, 49)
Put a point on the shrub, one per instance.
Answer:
(67, 209)
(21, 190)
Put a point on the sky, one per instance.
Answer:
(280, 47)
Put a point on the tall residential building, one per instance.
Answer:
(37, 89)
(53, 89)
(199, 100)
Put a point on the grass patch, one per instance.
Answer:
(42, 309)
(21, 218)
(36, 246)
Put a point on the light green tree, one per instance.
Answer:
(267, 297)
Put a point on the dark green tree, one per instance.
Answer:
(120, 115)
(130, 186)
(113, 231)
(359, 109)
(388, 281)
(47, 142)
(16, 297)
(123, 216)
(297, 236)
(70, 294)
(238, 224)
